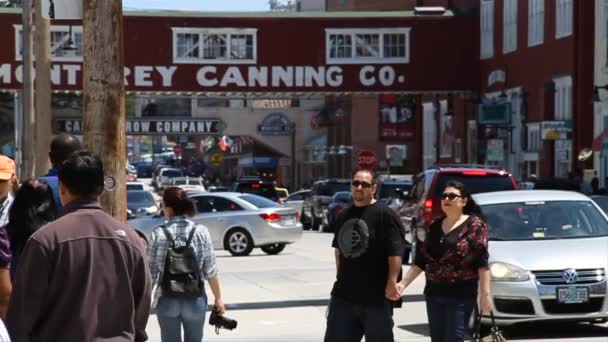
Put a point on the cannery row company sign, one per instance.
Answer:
(210, 78)
(151, 126)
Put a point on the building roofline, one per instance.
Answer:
(267, 14)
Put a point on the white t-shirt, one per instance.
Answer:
(3, 333)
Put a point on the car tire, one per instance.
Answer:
(238, 242)
(274, 248)
(316, 223)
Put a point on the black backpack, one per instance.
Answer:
(181, 276)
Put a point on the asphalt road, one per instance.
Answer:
(284, 298)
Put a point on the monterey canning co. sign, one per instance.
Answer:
(162, 77)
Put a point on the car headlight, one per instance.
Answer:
(500, 271)
(152, 210)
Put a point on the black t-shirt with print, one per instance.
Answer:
(366, 237)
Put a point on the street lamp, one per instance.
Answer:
(69, 47)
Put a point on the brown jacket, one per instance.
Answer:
(83, 277)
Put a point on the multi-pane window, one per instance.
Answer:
(65, 46)
(563, 98)
(352, 46)
(487, 29)
(188, 45)
(198, 45)
(367, 45)
(536, 22)
(394, 45)
(509, 26)
(564, 18)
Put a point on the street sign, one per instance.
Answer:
(216, 159)
(366, 159)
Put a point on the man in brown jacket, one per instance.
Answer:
(83, 277)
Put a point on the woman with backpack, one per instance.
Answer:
(181, 256)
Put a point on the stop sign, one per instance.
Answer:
(366, 159)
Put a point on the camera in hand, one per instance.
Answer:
(221, 322)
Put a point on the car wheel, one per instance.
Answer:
(238, 242)
(316, 223)
(274, 248)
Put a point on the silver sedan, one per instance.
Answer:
(238, 222)
(548, 256)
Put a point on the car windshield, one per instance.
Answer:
(330, 188)
(475, 183)
(179, 182)
(172, 173)
(264, 190)
(135, 187)
(388, 190)
(544, 220)
(259, 201)
(342, 197)
(139, 197)
(602, 201)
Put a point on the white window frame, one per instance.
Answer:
(214, 31)
(380, 59)
(536, 22)
(486, 22)
(533, 137)
(54, 28)
(563, 18)
(509, 32)
(563, 98)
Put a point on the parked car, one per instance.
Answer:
(257, 186)
(423, 204)
(339, 201)
(296, 200)
(139, 203)
(135, 186)
(320, 197)
(188, 183)
(144, 170)
(239, 222)
(548, 256)
(389, 189)
(166, 175)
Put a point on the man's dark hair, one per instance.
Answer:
(62, 146)
(82, 173)
(370, 172)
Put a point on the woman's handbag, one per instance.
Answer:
(495, 333)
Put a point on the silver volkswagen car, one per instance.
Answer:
(238, 222)
(548, 256)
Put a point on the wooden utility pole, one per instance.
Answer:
(43, 112)
(28, 141)
(104, 95)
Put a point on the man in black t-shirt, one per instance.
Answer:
(369, 243)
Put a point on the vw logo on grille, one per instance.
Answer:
(570, 276)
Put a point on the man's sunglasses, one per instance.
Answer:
(365, 185)
(451, 196)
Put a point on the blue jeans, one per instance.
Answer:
(448, 317)
(173, 313)
(348, 322)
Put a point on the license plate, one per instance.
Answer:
(572, 295)
(289, 221)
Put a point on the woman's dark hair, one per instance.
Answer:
(32, 208)
(471, 208)
(177, 199)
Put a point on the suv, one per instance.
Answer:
(423, 204)
(257, 186)
(315, 205)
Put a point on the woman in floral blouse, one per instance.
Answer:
(454, 258)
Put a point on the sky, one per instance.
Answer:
(198, 5)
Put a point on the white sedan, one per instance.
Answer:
(238, 222)
(548, 256)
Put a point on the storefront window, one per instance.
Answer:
(397, 117)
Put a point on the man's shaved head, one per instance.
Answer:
(62, 146)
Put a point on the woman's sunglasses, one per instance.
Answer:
(450, 196)
(365, 185)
